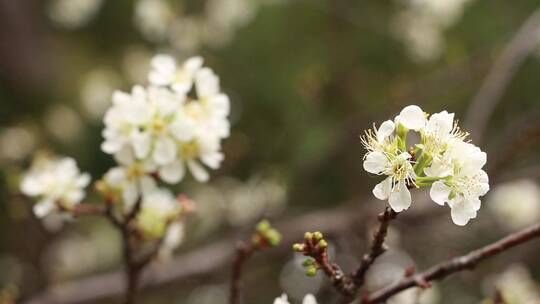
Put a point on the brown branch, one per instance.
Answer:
(444, 269)
(243, 253)
(377, 247)
(316, 247)
(514, 54)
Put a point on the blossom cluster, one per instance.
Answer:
(158, 133)
(57, 183)
(442, 159)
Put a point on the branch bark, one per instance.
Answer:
(243, 252)
(377, 247)
(457, 264)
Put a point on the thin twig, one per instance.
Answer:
(316, 247)
(243, 252)
(444, 269)
(377, 247)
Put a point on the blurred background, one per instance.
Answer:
(305, 78)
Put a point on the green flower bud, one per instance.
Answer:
(263, 226)
(298, 247)
(317, 235)
(308, 262)
(273, 237)
(308, 236)
(323, 244)
(311, 271)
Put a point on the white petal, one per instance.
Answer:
(172, 173)
(141, 143)
(183, 128)
(212, 160)
(159, 79)
(83, 180)
(198, 171)
(130, 195)
(193, 64)
(309, 299)
(441, 124)
(221, 105)
(115, 176)
(383, 189)
(43, 207)
(163, 62)
(439, 192)
(472, 203)
(120, 97)
(412, 117)
(461, 214)
(281, 300)
(31, 186)
(438, 169)
(164, 151)
(207, 83)
(400, 198)
(385, 130)
(375, 162)
(111, 146)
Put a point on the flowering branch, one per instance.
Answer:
(264, 236)
(316, 247)
(444, 269)
(377, 247)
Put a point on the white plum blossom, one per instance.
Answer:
(56, 183)
(439, 130)
(464, 180)
(385, 158)
(163, 130)
(442, 160)
(308, 299)
(516, 204)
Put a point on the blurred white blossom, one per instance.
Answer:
(72, 14)
(162, 130)
(70, 126)
(308, 299)
(57, 184)
(153, 18)
(517, 286)
(97, 88)
(516, 204)
(422, 23)
(16, 143)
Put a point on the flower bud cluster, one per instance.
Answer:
(314, 246)
(265, 235)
